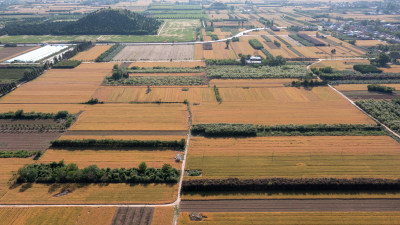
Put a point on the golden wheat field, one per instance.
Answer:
(46, 108)
(61, 85)
(219, 51)
(162, 214)
(340, 64)
(57, 215)
(164, 94)
(367, 43)
(91, 194)
(293, 218)
(8, 167)
(304, 156)
(91, 54)
(133, 117)
(392, 69)
(112, 159)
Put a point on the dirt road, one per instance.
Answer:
(291, 205)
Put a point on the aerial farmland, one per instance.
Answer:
(186, 112)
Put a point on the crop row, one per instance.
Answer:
(247, 72)
(155, 81)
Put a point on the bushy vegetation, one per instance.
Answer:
(380, 88)
(255, 44)
(156, 81)
(386, 111)
(67, 64)
(222, 62)
(330, 75)
(20, 73)
(194, 173)
(93, 101)
(62, 173)
(6, 88)
(337, 82)
(266, 38)
(273, 61)
(101, 22)
(21, 115)
(308, 83)
(18, 154)
(266, 52)
(110, 53)
(290, 184)
(225, 130)
(217, 94)
(159, 69)
(262, 72)
(118, 144)
(277, 43)
(301, 40)
(119, 72)
(366, 69)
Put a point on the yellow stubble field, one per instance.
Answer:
(91, 54)
(9, 167)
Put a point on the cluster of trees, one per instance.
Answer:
(329, 74)
(290, 184)
(308, 83)
(256, 44)
(33, 73)
(156, 81)
(225, 130)
(119, 72)
(61, 173)
(67, 64)
(274, 61)
(222, 62)
(266, 22)
(6, 88)
(101, 22)
(160, 69)
(366, 69)
(277, 43)
(256, 72)
(110, 53)
(21, 115)
(93, 101)
(118, 144)
(380, 88)
(381, 60)
(20, 154)
(217, 94)
(386, 111)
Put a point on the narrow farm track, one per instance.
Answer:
(292, 205)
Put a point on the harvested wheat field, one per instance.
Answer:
(293, 157)
(91, 194)
(219, 51)
(8, 167)
(242, 105)
(294, 218)
(11, 52)
(133, 117)
(367, 43)
(162, 214)
(163, 94)
(250, 83)
(340, 64)
(57, 215)
(112, 158)
(46, 108)
(61, 85)
(392, 69)
(243, 47)
(184, 64)
(155, 53)
(92, 54)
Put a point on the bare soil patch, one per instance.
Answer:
(27, 141)
(156, 53)
(133, 216)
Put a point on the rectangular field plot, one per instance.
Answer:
(46, 108)
(155, 53)
(8, 167)
(293, 218)
(91, 54)
(57, 215)
(7, 53)
(294, 157)
(61, 85)
(91, 194)
(265, 106)
(184, 64)
(250, 83)
(112, 158)
(38, 54)
(164, 94)
(155, 117)
(36, 141)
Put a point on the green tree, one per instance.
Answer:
(142, 167)
(227, 42)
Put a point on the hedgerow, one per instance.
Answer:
(380, 88)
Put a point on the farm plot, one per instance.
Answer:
(9, 167)
(133, 215)
(292, 218)
(294, 157)
(167, 74)
(166, 117)
(57, 215)
(392, 69)
(7, 53)
(249, 83)
(91, 194)
(185, 64)
(112, 159)
(361, 87)
(46, 108)
(360, 91)
(243, 47)
(16, 141)
(61, 85)
(367, 43)
(91, 54)
(340, 64)
(218, 51)
(162, 214)
(321, 105)
(156, 53)
(121, 135)
(162, 94)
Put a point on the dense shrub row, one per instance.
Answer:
(21, 115)
(110, 53)
(156, 81)
(261, 72)
(266, 38)
(308, 83)
(266, 52)
(118, 144)
(222, 62)
(5, 88)
(217, 94)
(225, 130)
(337, 82)
(386, 111)
(18, 154)
(255, 44)
(67, 64)
(380, 88)
(33, 73)
(61, 173)
(159, 69)
(301, 40)
(290, 184)
(314, 41)
(366, 69)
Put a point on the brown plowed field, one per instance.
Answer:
(133, 216)
(10, 52)
(27, 141)
(156, 53)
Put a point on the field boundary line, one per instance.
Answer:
(159, 32)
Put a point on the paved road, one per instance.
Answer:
(291, 205)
